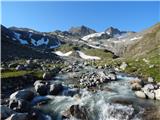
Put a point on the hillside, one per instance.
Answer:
(11, 50)
(147, 44)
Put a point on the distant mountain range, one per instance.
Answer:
(117, 41)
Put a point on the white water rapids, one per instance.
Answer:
(115, 102)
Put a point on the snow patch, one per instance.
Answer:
(84, 56)
(20, 40)
(93, 46)
(42, 41)
(59, 53)
(135, 38)
(92, 35)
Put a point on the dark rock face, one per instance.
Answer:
(35, 38)
(11, 49)
(113, 31)
(81, 31)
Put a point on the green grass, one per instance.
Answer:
(98, 52)
(106, 57)
(14, 73)
(139, 67)
(66, 48)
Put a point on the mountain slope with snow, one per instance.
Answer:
(34, 38)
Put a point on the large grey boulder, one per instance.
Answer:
(148, 89)
(150, 80)
(23, 94)
(157, 94)
(140, 94)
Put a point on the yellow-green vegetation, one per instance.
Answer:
(15, 73)
(66, 47)
(98, 52)
(106, 56)
(146, 66)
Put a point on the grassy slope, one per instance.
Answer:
(147, 48)
(106, 56)
(14, 73)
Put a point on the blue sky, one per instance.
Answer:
(50, 16)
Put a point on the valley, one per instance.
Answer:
(80, 74)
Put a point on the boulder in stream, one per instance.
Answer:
(157, 94)
(23, 94)
(20, 105)
(41, 87)
(140, 94)
(136, 86)
(55, 88)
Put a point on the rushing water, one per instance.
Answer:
(115, 101)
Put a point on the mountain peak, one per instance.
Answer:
(81, 30)
(112, 31)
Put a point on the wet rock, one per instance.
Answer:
(41, 87)
(47, 76)
(78, 112)
(140, 94)
(20, 67)
(157, 94)
(137, 81)
(55, 88)
(112, 76)
(5, 111)
(149, 91)
(65, 115)
(150, 80)
(23, 94)
(19, 105)
(18, 116)
(136, 86)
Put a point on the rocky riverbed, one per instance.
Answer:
(81, 91)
